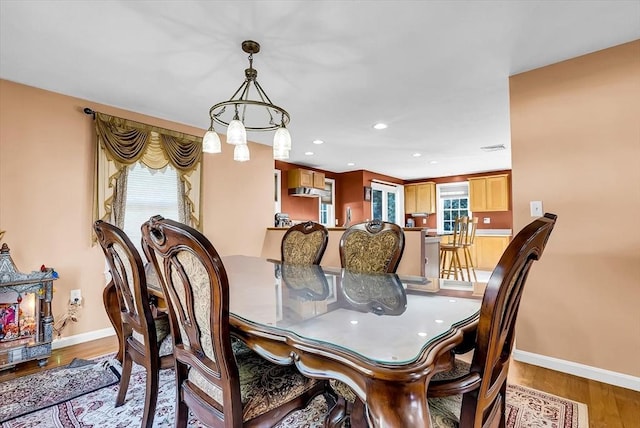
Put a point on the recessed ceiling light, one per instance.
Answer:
(318, 142)
(422, 334)
(350, 163)
(308, 153)
(417, 155)
(380, 125)
(354, 322)
(433, 162)
(439, 321)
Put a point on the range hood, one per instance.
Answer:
(308, 192)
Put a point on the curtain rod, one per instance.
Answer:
(88, 111)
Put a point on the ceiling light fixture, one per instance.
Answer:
(318, 142)
(417, 155)
(241, 114)
(380, 125)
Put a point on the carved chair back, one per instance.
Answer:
(484, 387)
(304, 243)
(221, 385)
(374, 246)
(141, 333)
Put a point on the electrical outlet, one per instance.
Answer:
(75, 296)
(424, 221)
(536, 208)
(486, 220)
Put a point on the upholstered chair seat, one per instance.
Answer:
(163, 334)
(259, 391)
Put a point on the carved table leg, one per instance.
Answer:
(398, 405)
(112, 306)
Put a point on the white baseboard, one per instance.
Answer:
(564, 366)
(63, 342)
(577, 369)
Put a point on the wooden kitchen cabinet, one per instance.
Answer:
(318, 180)
(305, 178)
(489, 193)
(420, 198)
(487, 250)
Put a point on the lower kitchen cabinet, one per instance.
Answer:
(487, 250)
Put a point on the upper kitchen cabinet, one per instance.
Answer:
(305, 178)
(420, 198)
(489, 193)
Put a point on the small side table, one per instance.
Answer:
(21, 340)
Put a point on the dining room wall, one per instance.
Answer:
(575, 143)
(47, 152)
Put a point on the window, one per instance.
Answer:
(149, 192)
(386, 202)
(327, 203)
(453, 202)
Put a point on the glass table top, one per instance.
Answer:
(382, 317)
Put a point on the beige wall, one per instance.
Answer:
(46, 176)
(575, 131)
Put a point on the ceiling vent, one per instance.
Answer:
(493, 148)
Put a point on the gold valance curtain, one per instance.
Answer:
(122, 142)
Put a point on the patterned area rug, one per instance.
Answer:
(526, 408)
(40, 390)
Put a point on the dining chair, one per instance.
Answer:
(373, 246)
(145, 339)
(451, 251)
(474, 396)
(220, 388)
(304, 243)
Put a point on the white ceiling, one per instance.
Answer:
(435, 71)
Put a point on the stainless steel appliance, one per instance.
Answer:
(282, 220)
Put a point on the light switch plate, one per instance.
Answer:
(536, 208)
(486, 220)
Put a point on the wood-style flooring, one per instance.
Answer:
(609, 406)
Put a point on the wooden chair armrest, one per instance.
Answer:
(454, 386)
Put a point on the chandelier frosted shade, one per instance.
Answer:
(211, 142)
(241, 153)
(282, 139)
(280, 153)
(236, 133)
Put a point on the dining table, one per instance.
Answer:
(383, 335)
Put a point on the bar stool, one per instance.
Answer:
(467, 244)
(450, 250)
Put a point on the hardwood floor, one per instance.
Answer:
(609, 406)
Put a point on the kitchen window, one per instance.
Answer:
(327, 203)
(453, 202)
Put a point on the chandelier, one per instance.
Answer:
(241, 113)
